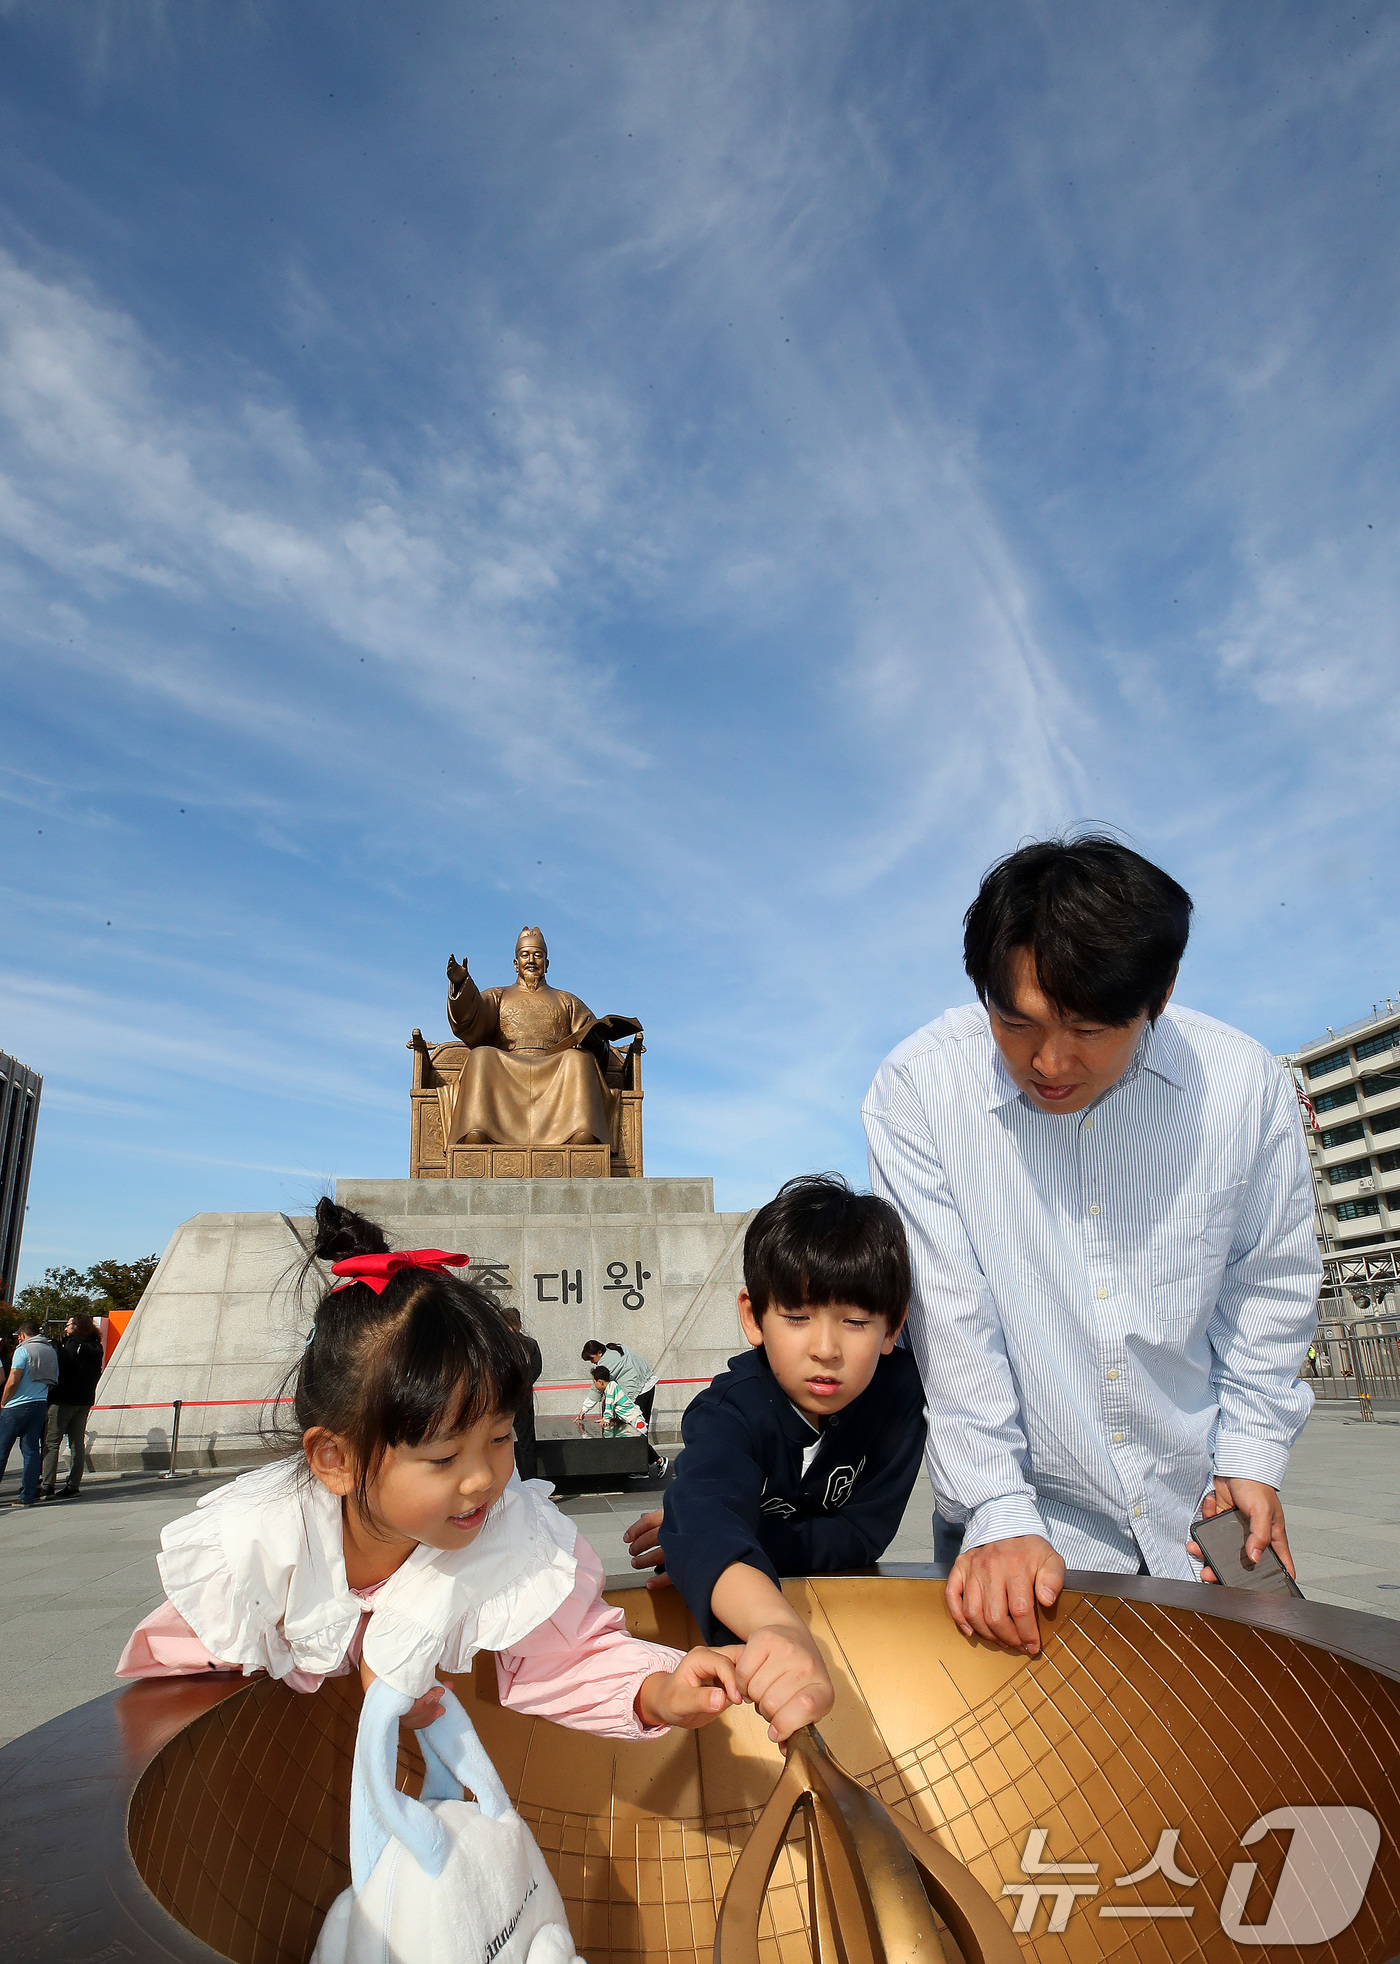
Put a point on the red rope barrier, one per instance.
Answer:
(191, 1404)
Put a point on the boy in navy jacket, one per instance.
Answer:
(800, 1458)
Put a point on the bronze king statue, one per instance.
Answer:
(534, 1070)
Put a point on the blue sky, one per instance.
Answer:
(706, 479)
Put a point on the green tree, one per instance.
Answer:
(99, 1290)
(62, 1293)
(119, 1285)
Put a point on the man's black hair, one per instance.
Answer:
(817, 1242)
(1107, 929)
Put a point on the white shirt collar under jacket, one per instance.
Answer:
(258, 1572)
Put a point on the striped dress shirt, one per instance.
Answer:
(1108, 1305)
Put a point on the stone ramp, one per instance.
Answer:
(644, 1262)
(218, 1321)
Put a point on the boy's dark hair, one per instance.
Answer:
(817, 1242)
(1107, 928)
(29, 1328)
(602, 1371)
(430, 1354)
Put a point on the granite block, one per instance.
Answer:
(222, 1311)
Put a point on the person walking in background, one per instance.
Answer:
(633, 1377)
(526, 1456)
(23, 1405)
(70, 1401)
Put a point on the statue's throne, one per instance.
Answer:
(435, 1070)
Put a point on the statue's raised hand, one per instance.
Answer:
(456, 971)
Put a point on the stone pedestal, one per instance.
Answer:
(529, 1163)
(645, 1262)
(581, 1459)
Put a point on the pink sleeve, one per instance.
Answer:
(164, 1646)
(581, 1668)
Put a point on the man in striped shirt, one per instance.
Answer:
(1110, 1224)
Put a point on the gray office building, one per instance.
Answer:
(1351, 1080)
(19, 1117)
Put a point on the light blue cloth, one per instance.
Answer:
(453, 1757)
(1108, 1305)
(30, 1390)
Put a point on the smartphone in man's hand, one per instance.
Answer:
(1222, 1538)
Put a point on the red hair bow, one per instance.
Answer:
(375, 1270)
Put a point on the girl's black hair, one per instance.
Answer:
(430, 1355)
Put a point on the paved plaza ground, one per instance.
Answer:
(75, 1577)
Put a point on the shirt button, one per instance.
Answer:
(1088, 1125)
(1095, 1208)
(1111, 1376)
(1136, 1512)
(1103, 1295)
(1118, 1438)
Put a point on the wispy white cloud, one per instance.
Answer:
(114, 480)
(711, 491)
(309, 1057)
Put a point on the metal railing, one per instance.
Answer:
(1357, 1361)
(175, 1406)
(1375, 1269)
(1344, 1030)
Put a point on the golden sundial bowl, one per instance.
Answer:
(1184, 1772)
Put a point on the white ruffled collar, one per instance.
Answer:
(499, 1556)
(258, 1572)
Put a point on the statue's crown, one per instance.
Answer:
(529, 934)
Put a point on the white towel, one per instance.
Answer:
(440, 1880)
(494, 1902)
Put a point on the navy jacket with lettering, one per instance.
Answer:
(740, 1494)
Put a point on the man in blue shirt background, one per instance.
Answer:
(24, 1406)
(1110, 1223)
